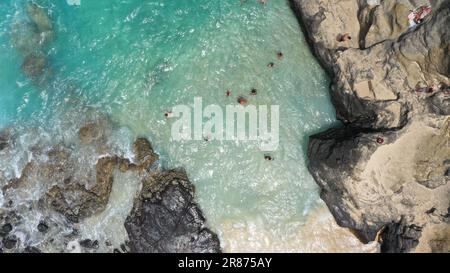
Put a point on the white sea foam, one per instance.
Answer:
(74, 2)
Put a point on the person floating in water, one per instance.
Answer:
(271, 65)
(344, 37)
(269, 158)
(280, 55)
(254, 92)
(228, 93)
(242, 100)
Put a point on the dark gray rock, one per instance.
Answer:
(42, 227)
(10, 242)
(88, 243)
(6, 229)
(4, 142)
(333, 156)
(439, 104)
(400, 237)
(32, 249)
(165, 218)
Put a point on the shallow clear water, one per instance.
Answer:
(134, 60)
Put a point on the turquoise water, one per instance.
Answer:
(134, 60)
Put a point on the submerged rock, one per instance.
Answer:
(95, 132)
(165, 218)
(39, 16)
(41, 19)
(30, 37)
(385, 168)
(90, 133)
(25, 37)
(34, 65)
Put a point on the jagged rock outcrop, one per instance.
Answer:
(144, 153)
(400, 237)
(384, 171)
(165, 217)
(439, 104)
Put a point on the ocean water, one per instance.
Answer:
(134, 60)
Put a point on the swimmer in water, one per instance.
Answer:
(268, 158)
(168, 114)
(271, 65)
(242, 101)
(254, 92)
(280, 55)
(228, 93)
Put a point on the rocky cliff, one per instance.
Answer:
(385, 173)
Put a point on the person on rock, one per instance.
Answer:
(380, 140)
(344, 37)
